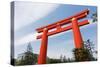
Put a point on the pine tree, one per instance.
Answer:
(28, 57)
(84, 53)
(94, 17)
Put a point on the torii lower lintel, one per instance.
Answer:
(82, 23)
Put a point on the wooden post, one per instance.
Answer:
(77, 34)
(43, 49)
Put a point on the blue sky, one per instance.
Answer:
(29, 16)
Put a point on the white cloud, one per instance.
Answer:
(32, 36)
(26, 39)
(29, 12)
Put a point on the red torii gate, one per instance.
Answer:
(58, 26)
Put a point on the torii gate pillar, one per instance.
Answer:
(77, 34)
(43, 48)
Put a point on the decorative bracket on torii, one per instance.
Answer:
(74, 24)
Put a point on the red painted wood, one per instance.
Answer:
(43, 48)
(58, 25)
(82, 23)
(78, 16)
(77, 34)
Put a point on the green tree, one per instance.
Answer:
(61, 58)
(28, 57)
(90, 46)
(64, 59)
(94, 17)
(54, 61)
(84, 53)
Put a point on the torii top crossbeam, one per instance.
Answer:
(65, 21)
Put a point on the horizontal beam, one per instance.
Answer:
(64, 29)
(64, 21)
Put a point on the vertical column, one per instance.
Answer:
(77, 34)
(43, 48)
